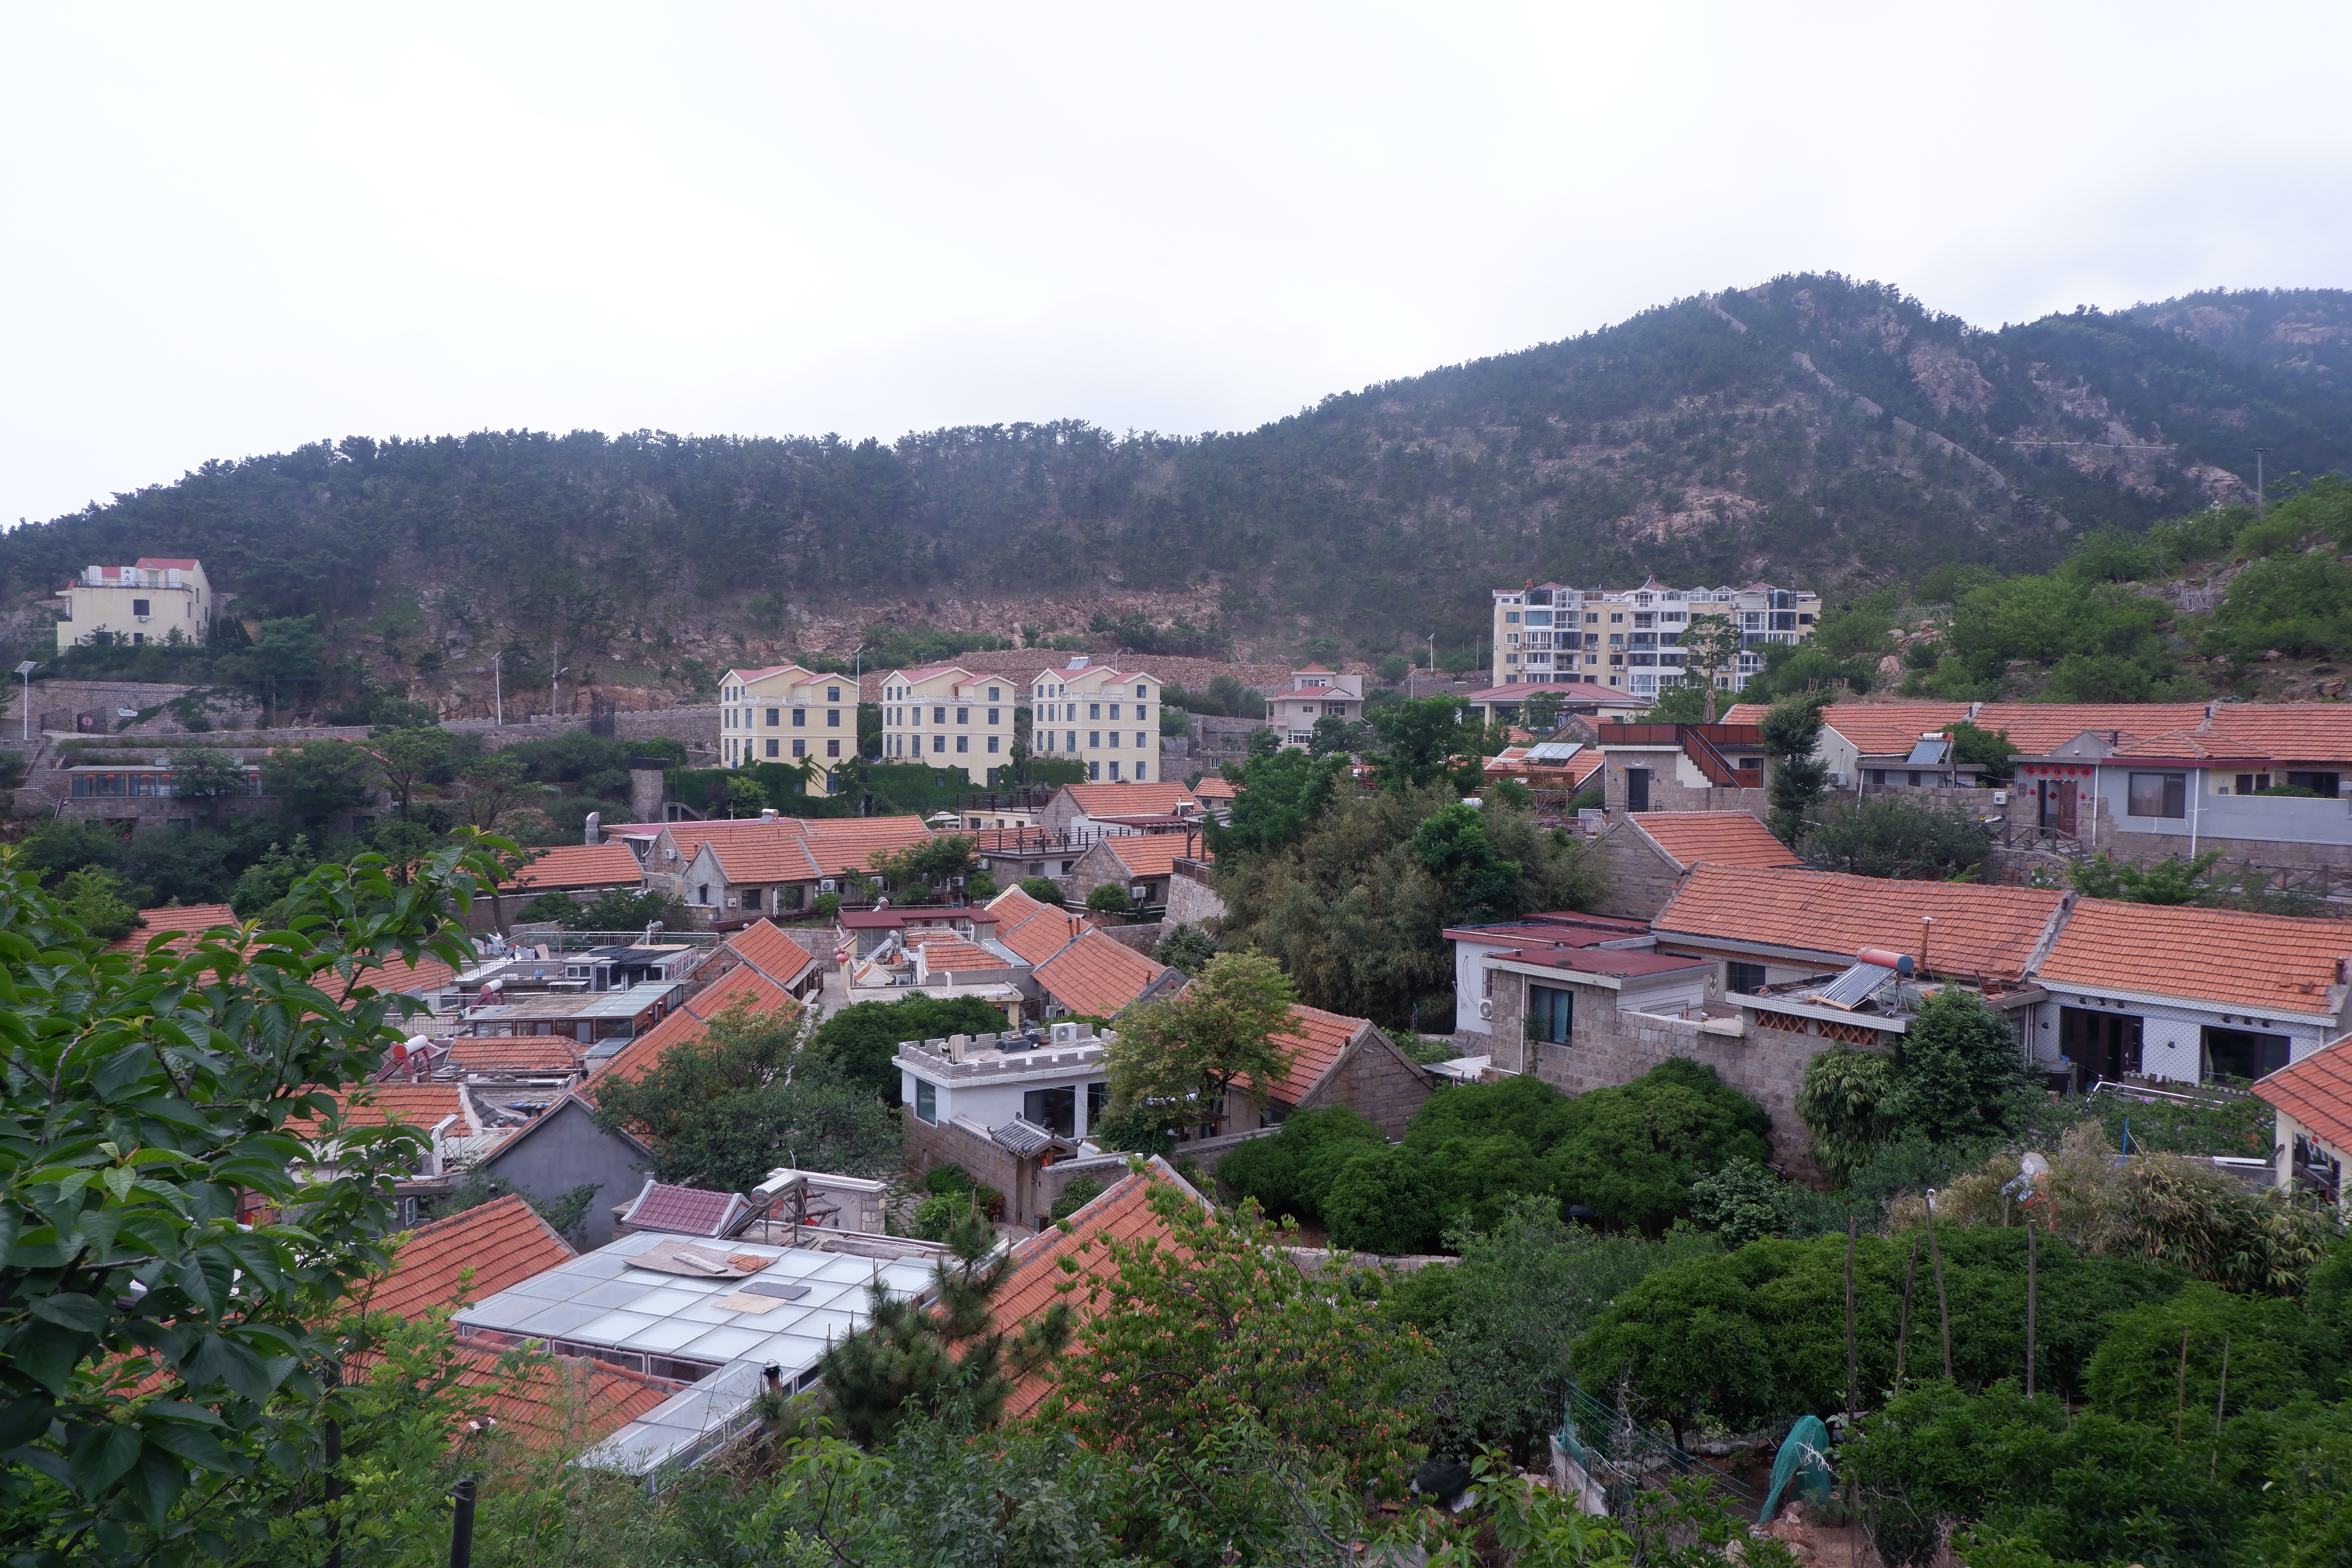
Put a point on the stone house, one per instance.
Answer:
(1335, 1060)
(1682, 767)
(1143, 864)
(1646, 853)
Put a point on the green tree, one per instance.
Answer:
(1109, 899)
(627, 909)
(147, 1090)
(2170, 881)
(263, 886)
(494, 785)
(1710, 648)
(746, 797)
(1480, 884)
(724, 1110)
(1959, 1069)
(1334, 736)
(1044, 890)
(1637, 1148)
(1792, 729)
(1890, 835)
(917, 868)
(319, 778)
(1993, 749)
(942, 1358)
(1185, 1335)
(1418, 740)
(1186, 948)
(1280, 795)
(1842, 1101)
(96, 900)
(1291, 1173)
(1187, 1049)
(863, 1039)
(406, 757)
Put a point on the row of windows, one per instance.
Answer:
(743, 693)
(914, 716)
(912, 745)
(774, 748)
(1045, 693)
(1616, 660)
(1065, 712)
(142, 786)
(1094, 740)
(900, 693)
(740, 718)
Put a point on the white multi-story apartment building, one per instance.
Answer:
(788, 714)
(1627, 637)
(141, 604)
(1107, 718)
(945, 716)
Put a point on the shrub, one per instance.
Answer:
(1109, 899)
(1044, 890)
(1292, 1171)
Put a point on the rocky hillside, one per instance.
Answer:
(1809, 429)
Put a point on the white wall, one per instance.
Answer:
(2171, 1035)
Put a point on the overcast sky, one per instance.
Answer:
(234, 229)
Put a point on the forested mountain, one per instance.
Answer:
(1812, 429)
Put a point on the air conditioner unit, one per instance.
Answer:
(2000, 797)
(828, 885)
(1837, 781)
(1140, 892)
(1486, 1007)
(1063, 1034)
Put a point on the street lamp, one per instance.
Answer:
(24, 671)
(555, 690)
(2258, 479)
(498, 689)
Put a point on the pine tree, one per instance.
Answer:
(937, 1358)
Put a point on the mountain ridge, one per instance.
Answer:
(1810, 428)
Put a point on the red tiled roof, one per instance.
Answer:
(1718, 838)
(160, 562)
(1130, 799)
(2265, 964)
(1039, 1278)
(1096, 975)
(2289, 732)
(396, 976)
(186, 920)
(1215, 786)
(564, 1403)
(688, 1211)
(419, 1105)
(2172, 745)
(690, 1022)
(772, 850)
(580, 866)
(1156, 854)
(2038, 727)
(1571, 690)
(768, 949)
(838, 844)
(469, 1255)
(1979, 932)
(1885, 729)
(1316, 1050)
(1034, 930)
(2316, 1091)
(947, 954)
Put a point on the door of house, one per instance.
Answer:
(1637, 789)
(2058, 805)
(2101, 1045)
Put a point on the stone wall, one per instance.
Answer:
(1379, 1086)
(104, 696)
(1640, 879)
(1190, 900)
(1142, 939)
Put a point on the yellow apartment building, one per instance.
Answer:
(788, 714)
(945, 716)
(1107, 719)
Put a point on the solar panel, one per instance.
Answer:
(1927, 752)
(1855, 986)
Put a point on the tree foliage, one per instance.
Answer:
(1188, 1049)
(1888, 835)
(863, 1039)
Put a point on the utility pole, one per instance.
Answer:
(2258, 479)
(24, 671)
(498, 691)
(1433, 658)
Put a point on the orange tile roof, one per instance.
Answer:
(1034, 930)
(420, 1105)
(1038, 1278)
(1315, 1050)
(392, 977)
(1215, 786)
(469, 1255)
(1097, 976)
(2035, 727)
(2263, 963)
(2172, 745)
(1156, 854)
(1130, 799)
(515, 1054)
(947, 954)
(2289, 732)
(567, 1402)
(1979, 932)
(770, 850)
(1885, 728)
(768, 949)
(839, 844)
(692, 1020)
(2316, 1091)
(580, 866)
(1718, 838)
(183, 919)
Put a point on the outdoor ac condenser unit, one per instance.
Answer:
(828, 885)
(1063, 1034)
(1486, 1007)
(1837, 781)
